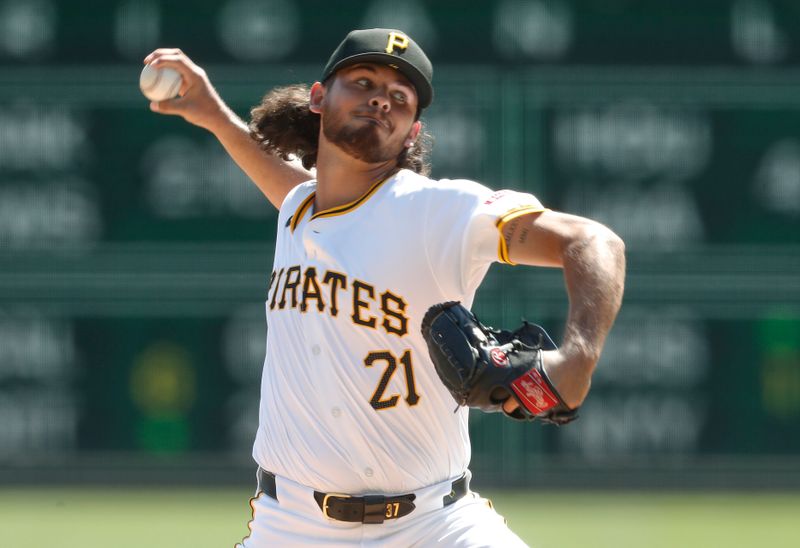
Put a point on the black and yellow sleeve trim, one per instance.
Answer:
(502, 248)
(345, 208)
(304, 205)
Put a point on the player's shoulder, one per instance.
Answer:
(462, 190)
(298, 194)
(411, 183)
(454, 197)
(295, 197)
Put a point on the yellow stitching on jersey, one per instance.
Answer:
(502, 251)
(304, 205)
(340, 210)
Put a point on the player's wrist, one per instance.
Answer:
(570, 374)
(579, 349)
(221, 121)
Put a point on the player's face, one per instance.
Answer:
(369, 111)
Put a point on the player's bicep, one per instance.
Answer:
(542, 238)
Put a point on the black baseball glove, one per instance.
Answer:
(482, 367)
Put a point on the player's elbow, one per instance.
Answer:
(613, 241)
(604, 235)
(598, 239)
(614, 247)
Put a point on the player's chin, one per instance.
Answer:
(372, 152)
(371, 156)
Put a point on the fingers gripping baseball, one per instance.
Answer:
(197, 102)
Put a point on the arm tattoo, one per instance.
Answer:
(510, 230)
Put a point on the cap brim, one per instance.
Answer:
(420, 83)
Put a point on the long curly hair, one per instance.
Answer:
(284, 125)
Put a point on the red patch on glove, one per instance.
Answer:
(534, 392)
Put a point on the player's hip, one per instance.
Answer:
(373, 508)
(448, 514)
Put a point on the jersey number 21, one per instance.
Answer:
(377, 401)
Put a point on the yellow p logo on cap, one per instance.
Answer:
(396, 40)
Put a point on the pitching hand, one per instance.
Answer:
(197, 102)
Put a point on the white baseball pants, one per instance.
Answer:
(295, 520)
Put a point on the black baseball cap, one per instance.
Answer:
(388, 47)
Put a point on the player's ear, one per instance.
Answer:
(413, 133)
(315, 98)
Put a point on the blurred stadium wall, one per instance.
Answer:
(134, 256)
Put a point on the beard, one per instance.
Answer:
(361, 141)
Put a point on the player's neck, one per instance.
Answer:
(342, 179)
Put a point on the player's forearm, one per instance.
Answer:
(274, 176)
(594, 273)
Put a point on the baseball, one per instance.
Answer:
(159, 84)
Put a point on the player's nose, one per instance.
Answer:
(380, 101)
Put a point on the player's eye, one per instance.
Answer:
(364, 82)
(400, 97)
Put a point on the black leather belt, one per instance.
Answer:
(367, 508)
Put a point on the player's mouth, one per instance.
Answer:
(375, 120)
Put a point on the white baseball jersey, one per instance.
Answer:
(350, 401)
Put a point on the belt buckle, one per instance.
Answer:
(325, 502)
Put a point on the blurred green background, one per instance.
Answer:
(134, 256)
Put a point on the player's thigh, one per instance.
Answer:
(471, 523)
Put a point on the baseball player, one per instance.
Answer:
(358, 442)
